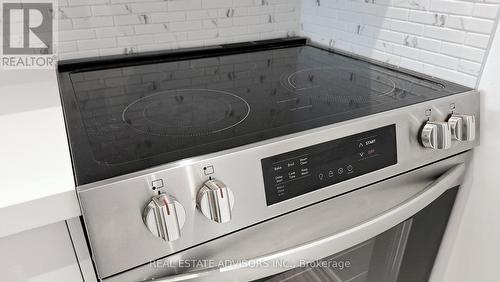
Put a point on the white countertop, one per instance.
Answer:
(36, 178)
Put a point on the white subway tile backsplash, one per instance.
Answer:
(233, 31)
(376, 21)
(110, 51)
(65, 24)
(201, 14)
(407, 27)
(184, 26)
(396, 37)
(126, 20)
(477, 40)
(183, 5)
(392, 13)
(73, 35)
(261, 28)
(92, 44)
(208, 4)
(116, 31)
(429, 18)
(67, 47)
(468, 67)
(135, 40)
(444, 38)
(405, 51)
(82, 23)
(75, 12)
(462, 51)
(438, 59)
(87, 2)
(81, 54)
(470, 24)
(449, 74)
(170, 37)
(259, 10)
(150, 28)
(250, 20)
(444, 34)
(412, 64)
(110, 10)
(452, 7)
(424, 43)
(202, 34)
(489, 11)
(129, 26)
(168, 17)
(144, 7)
(216, 23)
(412, 4)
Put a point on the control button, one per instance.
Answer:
(279, 179)
(209, 170)
(360, 145)
(164, 217)
(330, 173)
(361, 154)
(291, 175)
(215, 200)
(290, 164)
(436, 135)
(280, 191)
(371, 141)
(303, 161)
(280, 188)
(278, 168)
(157, 184)
(320, 176)
(340, 170)
(350, 168)
(304, 171)
(463, 127)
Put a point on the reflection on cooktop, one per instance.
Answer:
(138, 116)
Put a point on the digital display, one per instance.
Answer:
(308, 169)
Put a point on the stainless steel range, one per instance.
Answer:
(271, 161)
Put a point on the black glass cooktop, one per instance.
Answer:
(124, 117)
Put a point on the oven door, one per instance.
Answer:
(388, 231)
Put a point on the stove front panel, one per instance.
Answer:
(113, 209)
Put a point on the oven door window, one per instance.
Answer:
(404, 253)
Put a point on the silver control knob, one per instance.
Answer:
(165, 217)
(215, 200)
(463, 127)
(436, 135)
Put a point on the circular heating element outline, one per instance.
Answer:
(186, 112)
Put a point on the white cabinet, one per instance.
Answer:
(44, 254)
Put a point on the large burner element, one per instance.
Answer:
(338, 85)
(186, 112)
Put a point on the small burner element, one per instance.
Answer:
(186, 112)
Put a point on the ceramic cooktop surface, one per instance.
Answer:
(125, 119)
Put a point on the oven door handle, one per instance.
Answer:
(254, 268)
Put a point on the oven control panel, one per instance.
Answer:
(298, 172)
